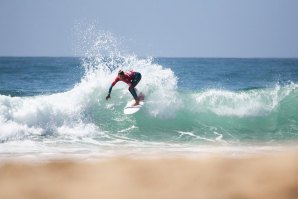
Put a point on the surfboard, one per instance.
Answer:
(130, 109)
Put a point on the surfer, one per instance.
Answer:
(132, 79)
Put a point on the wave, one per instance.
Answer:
(169, 114)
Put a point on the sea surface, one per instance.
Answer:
(55, 107)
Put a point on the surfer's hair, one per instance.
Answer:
(120, 72)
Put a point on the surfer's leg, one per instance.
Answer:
(134, 82)
(136, 79)
(133, 92)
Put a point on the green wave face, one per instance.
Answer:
(268, 114)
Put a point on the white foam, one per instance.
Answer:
(158, 84)
(242, 104)
(70, 112)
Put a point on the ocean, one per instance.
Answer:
(55, 107)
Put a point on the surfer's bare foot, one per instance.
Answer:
(137, 102)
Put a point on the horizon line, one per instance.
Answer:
(181, 57)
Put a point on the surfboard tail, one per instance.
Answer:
(130, 109)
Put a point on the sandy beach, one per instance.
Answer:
(273, 176)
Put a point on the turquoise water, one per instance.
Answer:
(51, 106)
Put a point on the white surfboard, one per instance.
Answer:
(130, 109)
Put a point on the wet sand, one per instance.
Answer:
(271, 176)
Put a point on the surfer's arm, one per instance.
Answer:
(111, 87)
(110, 90)
(113, 84)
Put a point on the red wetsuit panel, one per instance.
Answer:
(128, 76)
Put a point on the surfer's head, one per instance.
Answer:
(121, 74)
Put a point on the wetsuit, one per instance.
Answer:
(132, 79)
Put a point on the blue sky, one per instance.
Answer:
(181, 28)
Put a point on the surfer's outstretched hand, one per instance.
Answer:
(108, 96)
